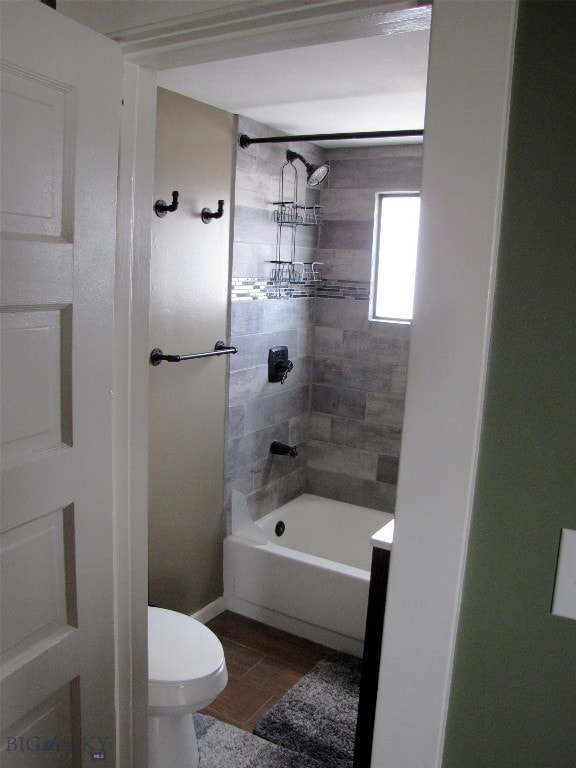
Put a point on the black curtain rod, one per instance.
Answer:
(245, 140)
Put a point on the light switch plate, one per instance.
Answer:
(564, 602)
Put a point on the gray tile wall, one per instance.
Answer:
(343, 402)
(260, 412)
(359, 366)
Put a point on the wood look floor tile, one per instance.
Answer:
(217, 715)
(263, 664)
(239, 658)
(300, 653)
(241, 700)
(272, 675)
(251, 723)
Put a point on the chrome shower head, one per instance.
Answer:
(315, 174)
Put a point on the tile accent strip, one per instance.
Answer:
(254, 289)
(248, 288)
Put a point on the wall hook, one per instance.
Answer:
(208, 215)
(161, 207)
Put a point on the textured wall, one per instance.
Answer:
(343, 402)
(359, 366)
(260, 412)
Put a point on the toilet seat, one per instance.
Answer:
(186, 666)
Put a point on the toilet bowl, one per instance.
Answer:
(186, 671)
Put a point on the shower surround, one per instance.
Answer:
(343, 402)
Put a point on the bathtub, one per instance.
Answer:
(313, 579)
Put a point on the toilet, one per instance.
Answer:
(186, 671)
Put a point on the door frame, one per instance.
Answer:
(433, 513)
(130, 417)
(468, 104)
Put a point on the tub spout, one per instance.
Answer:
(281, 449)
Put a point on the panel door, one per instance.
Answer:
(60, 104)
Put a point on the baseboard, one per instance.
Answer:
(211, 610)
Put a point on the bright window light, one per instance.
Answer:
(395, 256)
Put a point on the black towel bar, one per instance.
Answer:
(156, 356)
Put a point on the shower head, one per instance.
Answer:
(315, 174)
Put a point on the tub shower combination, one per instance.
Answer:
(303, 568)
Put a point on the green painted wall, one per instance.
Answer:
(513, 697)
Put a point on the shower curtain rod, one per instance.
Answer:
(245, 140)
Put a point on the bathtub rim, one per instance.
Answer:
(254, 530)
(297, 555)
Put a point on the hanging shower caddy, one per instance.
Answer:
(289, 214)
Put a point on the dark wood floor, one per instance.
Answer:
(263, 663)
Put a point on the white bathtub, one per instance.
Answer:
(311, 581)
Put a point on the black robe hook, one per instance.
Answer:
(161, 208)
(208, 215)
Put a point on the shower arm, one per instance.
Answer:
(245, 141)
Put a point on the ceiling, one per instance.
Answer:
(374, 82)
(370, 84)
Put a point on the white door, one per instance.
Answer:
(59, 154)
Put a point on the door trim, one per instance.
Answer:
(130, 361)
(468, 100)
(243, 31)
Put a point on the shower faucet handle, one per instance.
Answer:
(287, 366)
(278, 364)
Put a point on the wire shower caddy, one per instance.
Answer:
(289, 215)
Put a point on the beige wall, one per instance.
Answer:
(188, 313)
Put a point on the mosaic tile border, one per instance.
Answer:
(343, 289)
(248, 289)
(256, 289)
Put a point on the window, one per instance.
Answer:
(395, 244)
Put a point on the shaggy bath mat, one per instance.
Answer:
(223, 746)
(317, 717)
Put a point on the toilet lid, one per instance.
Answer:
(180, 648)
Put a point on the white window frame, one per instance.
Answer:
(380, 196)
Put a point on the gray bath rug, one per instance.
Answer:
(223, 746)
(317, 717)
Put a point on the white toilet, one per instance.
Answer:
(186, 671)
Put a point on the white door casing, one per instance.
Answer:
(467, 108)
(60, 122)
